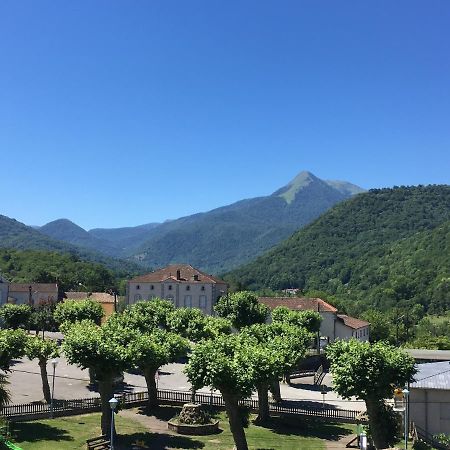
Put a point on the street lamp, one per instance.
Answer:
(54, 364)
(406, 394)
(113, 404)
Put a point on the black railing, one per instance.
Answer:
(78, 406)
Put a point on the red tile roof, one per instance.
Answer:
(298, 303)
(101, 297)
(186, 271)
(35, 287)
(352, 322)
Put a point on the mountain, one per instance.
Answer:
(380, 248)
(16, 235)
(126, 238)
(65, 230)
(226, 237)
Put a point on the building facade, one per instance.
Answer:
(182, 284)
(334, 326)
(32, 293)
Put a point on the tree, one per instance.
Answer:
(275, 349)
(242, 309)
(224, 364)
(151, 351)
(42, 317)
(103, 349)
(310, 320)
(12, 346)
(42, 350)
(195, 326)
(380, 326)
(77, 310)
(370, 372)
(16, 316)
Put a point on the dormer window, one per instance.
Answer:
(188, 288)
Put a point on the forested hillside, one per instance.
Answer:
(381, 248)
(51, 267)
(16, 235)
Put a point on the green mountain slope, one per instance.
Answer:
(223, 238)
(67, 231)
(16, 235)
(378, 248)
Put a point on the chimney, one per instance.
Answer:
(178, 274)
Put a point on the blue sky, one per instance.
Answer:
(122, 113)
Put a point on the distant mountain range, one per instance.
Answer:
(378, 249)
(218, 240)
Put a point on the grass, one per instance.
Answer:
(72, 432)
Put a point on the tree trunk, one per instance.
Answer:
(44, 377)
(106, 391)
(149, 374)
(374, 413)
(275, 389)
(263, 403)
(235, 420)
(91, 377)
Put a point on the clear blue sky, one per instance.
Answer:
(122, 113)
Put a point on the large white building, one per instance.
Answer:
(182, 284)
(334, 326)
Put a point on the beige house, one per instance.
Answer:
(429, 398)
(32, 293)
(106, 300)
(334, 326)
(182, 284)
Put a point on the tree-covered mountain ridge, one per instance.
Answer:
(376, 249)
(220, 239)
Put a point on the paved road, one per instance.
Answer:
(72, 382)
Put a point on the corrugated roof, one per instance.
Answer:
(352, 322)
(298, 303)
(186, 271)
(430, 355)
(432, 376)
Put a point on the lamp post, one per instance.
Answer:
(113, 404)
(406, 394)
(54, 364)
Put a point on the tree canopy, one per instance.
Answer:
(78, 310)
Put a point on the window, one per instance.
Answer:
(137, 297)
(202, 301)
(188, 301)
(152, 287)
(203, 288)
(188, 288)
(170, 287)
(138, 287)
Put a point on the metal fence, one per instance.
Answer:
(83, 405)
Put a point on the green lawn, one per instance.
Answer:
(72, 432)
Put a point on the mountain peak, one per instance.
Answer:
(300, 181)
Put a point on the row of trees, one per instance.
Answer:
(253, 358)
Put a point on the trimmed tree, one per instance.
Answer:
(276, 348)
(151, 351)
(16, 316)
(42, 350)
(102, 349)
(242, 309)
(192, 324)
(310, 320)
(370, 372)
(224, 364)
(72, 311)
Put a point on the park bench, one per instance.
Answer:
(98, 443)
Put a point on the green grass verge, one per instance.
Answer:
(71, 433)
